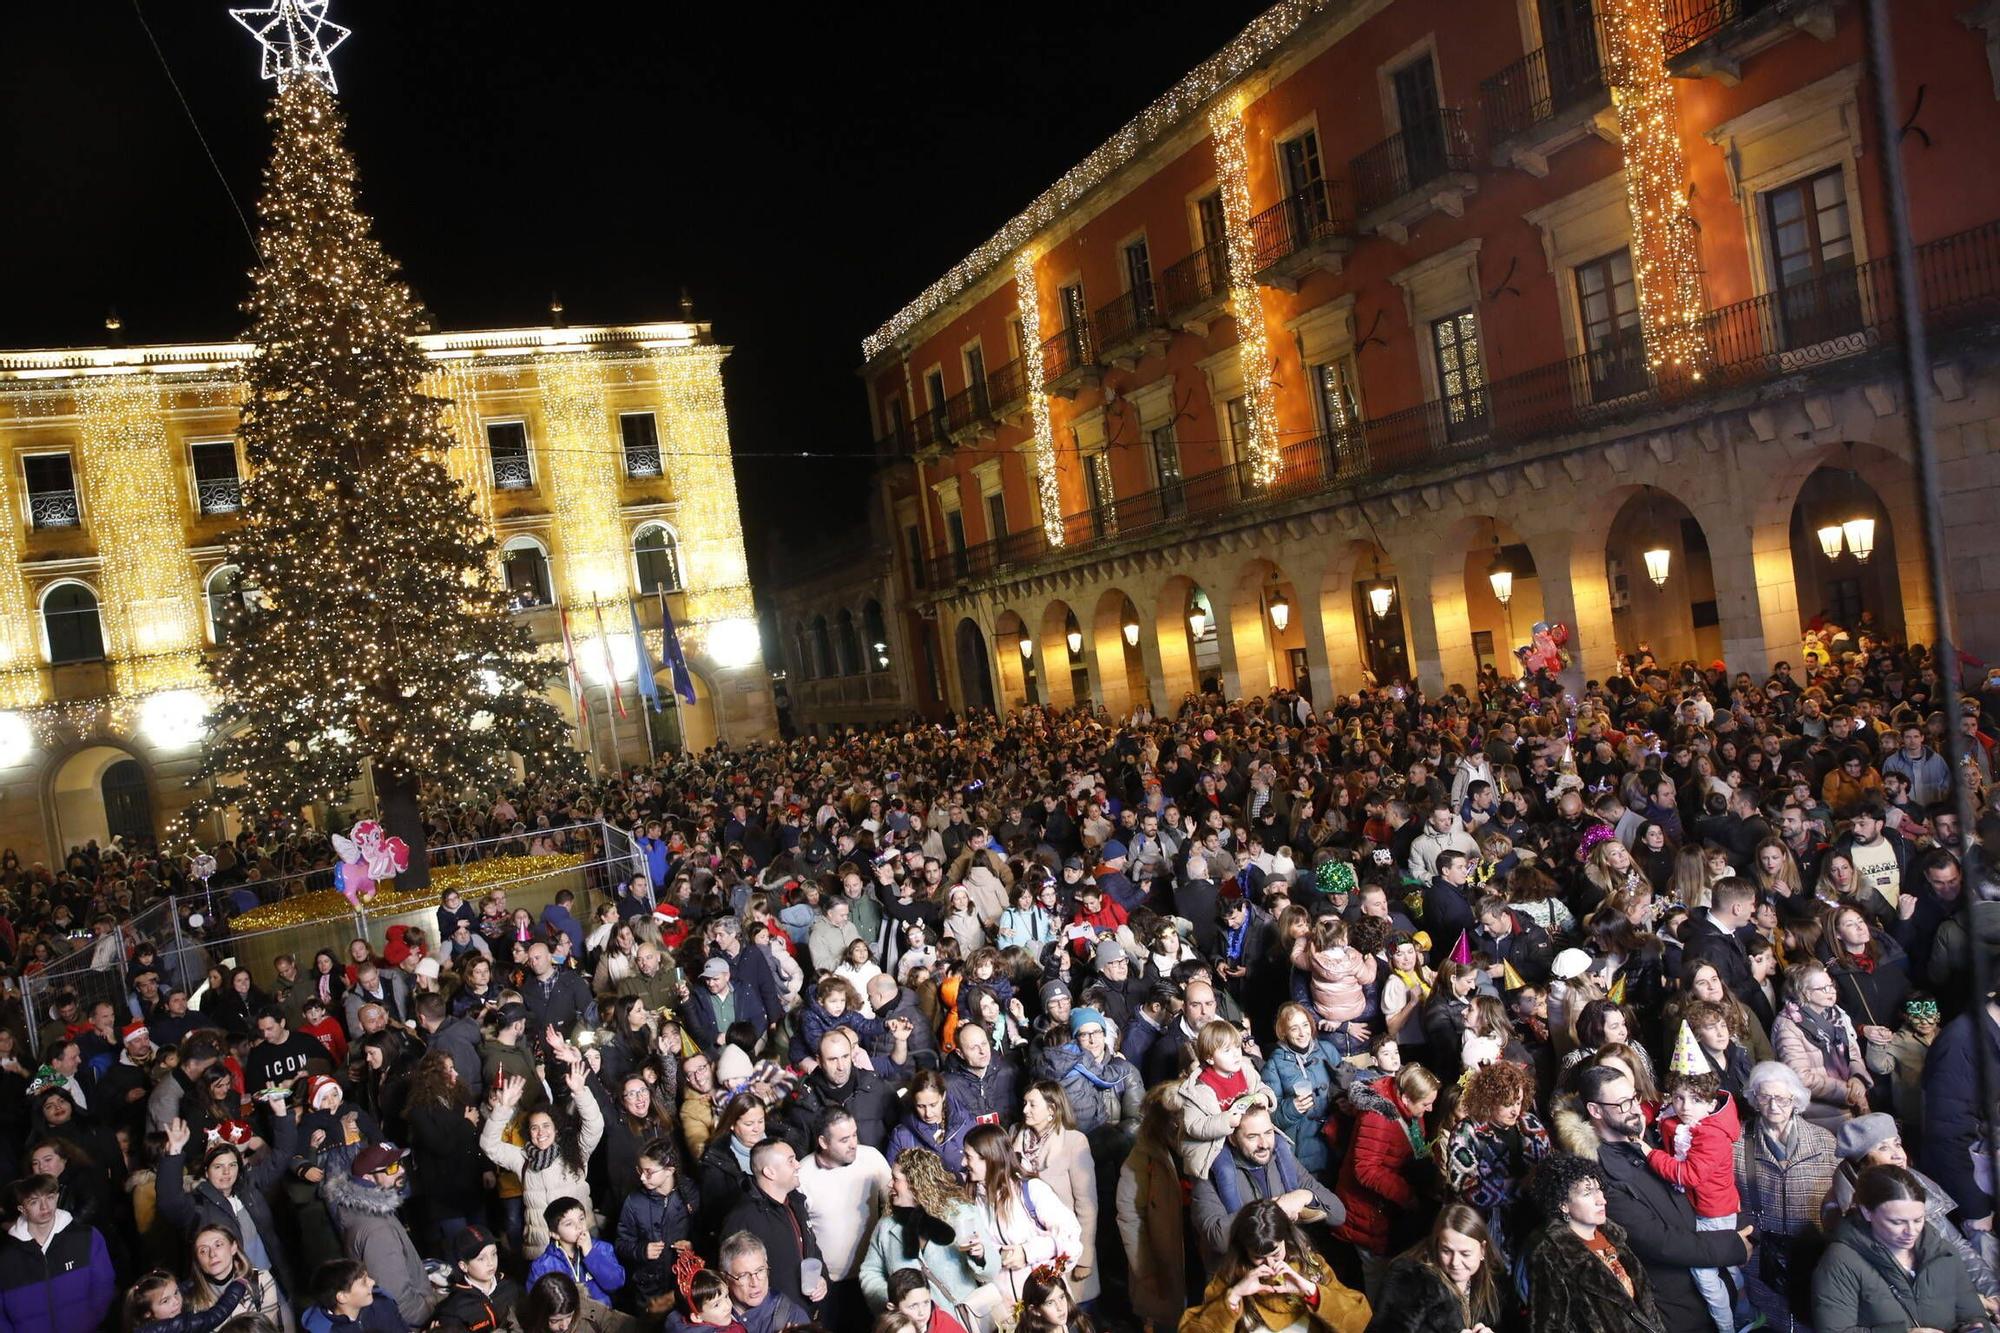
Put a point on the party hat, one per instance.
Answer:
(1461, 952)
(1688, 1057)
(1510, 979)
(1617, 992)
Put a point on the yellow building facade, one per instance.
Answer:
(598, 458)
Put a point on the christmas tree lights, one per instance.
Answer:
(1666, 266)
(381, 623)
(1246, 297)
(147, 591)
(1048, 483)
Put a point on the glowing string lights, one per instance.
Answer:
(151, 613)
(1047, 483)
(458, 388)
(715, 572)
(1666, 267)
(589, 529)
(20, 664)
(1246, 297)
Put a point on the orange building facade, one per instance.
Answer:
(1399, 326)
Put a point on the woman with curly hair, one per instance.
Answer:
(445, 1147)
(1582, 1275)
(1495, 1140)
(555, 1162)
(1444, 1283)
(929, 1226)
(1270, 1278)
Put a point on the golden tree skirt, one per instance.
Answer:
(471, 879)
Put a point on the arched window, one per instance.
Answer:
(846, 648)
(802, 653)
(71, 624)
(224, 602)
(656, 558)
(524, 563)
(875, 636)
(822, 644)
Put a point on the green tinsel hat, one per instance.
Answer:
(1334, 877)
(45, 1078)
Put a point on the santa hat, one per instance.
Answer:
(235, 1133)
(316, 1087)
(135, 1029)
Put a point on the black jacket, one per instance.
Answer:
(785, 1230)
(993, 1097)
(1659, 1222)
(479, 1312)
(1571, 1290)
(1417, 1298)
(447, 1161)
(869, 1099)
(1447, 915)
(190, 1209)
(1702, 941)
(562, 999)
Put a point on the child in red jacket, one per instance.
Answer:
(1701, 1124)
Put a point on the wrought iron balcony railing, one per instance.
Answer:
(1689, 23)
(54, 509)
(1006, 386)
(642, 460)
(1409, 160)
(1200, 278)
(1070, 352)
(1303, 219)
(219, 495)
(1542, 84)
(1132, 316)
(512, 473)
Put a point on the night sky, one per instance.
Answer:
(803, 171)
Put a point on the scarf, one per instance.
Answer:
(539, 1159)
(919, 1229)
(1029, 1146)
(1234, 949)
(1082, 1066)
(1827, 1034)
(1415, 981)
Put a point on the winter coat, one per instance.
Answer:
(815, 1022)
(365, 1215)
(785, 1227)
(460, 1039)
(720, 1181)
(1707, 1171)
(1829, 1093)
(200, 1321)
(1659, 1226)
(989, 1097)
(1417, 1298)
(1038, 1223)
(1152, 1223)
(1859, 1286)
(699, 1017)
(478, 1311)
(603, 1276)
(1873, 997)
(1484, 1171)
(496, 1057)
(192, 1209)
(1782, 1200)
(1952, 1108)
(954, 1279)
(1205, 1121)
(446, 1161)
(1335, 979)
(866, 1095)
(1065, 1166)
(67, 1287)
(650, 1217)
(1288, 1071)
(1938, 1208)
(947, 1140)
(1337, 1309)
(1091, 1101)
(1374, 1181)
(556, 1180)
(1571, 1290)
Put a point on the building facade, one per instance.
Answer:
(1400, 327)
(597, 457)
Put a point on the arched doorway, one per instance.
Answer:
(1844, 560)
(1063, 656)
(1014, 650)
(1184, 627)
(1378, 611)
(691, 727)
(1503, 595)
(1115, 632)
(99, 793)
(975, 682)
(1661, 580)
(1270, 645)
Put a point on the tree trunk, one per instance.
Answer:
(403, 817)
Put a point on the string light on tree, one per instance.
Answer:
(1246, 298)
(297, 38)
(1666, 267)
(1047, 483)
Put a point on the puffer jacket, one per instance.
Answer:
(1571, 1290)
(540, 1188)
(1859, 1287)
(947, 1141)
(365, 1215)
(200, 1321)
(1110, 1094)
(1288, 1071)
(650, 1217)
(1374, 1181)
(67, 1287)
(1205, 1121)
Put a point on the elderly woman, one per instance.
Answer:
(1582, 1275)
(1816, 1040)
(1889, 1268)
(1784, 1166)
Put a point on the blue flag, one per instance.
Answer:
(649, 689)
(670, 651)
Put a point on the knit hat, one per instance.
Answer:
(1114, 850)
(1084, 1018)
(1570, 964)
(1111, 951)
(1052, 989)
(428, 967)
(1863, 1134)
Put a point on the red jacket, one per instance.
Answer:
(1708, 1173)
(1373, 1184)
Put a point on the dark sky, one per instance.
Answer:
(803, 170)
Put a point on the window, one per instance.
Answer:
(954, 536)
(524, 563)
(507, 442)
(1416, 92)
(217, 488)
(913, 552)
(1812, 257)
(1607, 303)
(1337, 391)
(975, 376)
(1209, 220)
(1236, 420)
(656, 559)
(1139, 279)
(52, 498)
(640, 432)
(1461, 374)
(876, 631)
(996, 515)
(1167, 469)
(1103, 498)
(822, 646)
(227, 602)
(934, 387)
(846, 648)
(70, 620)
(1298, 158)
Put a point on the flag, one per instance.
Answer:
(1511, 980)
(670, 651)
(649, 689)
(576, 694)
(610, 667)
(1461, 952)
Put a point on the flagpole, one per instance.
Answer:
(617, 751)
(680, 723)
(646, 716)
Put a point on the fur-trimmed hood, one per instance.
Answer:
(1572, 1129)
(1376, 1095)
(345, 1192)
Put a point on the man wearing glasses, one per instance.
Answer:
(364, 1203)
(1658, 1220)
(746, 1267)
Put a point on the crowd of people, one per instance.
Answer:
(1649, 1006)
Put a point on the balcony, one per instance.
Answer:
(54, 509)
(1710, 39)
(1303, 232)
(1817, 325)
(1069, 362)
(931, 431)
(218, 495)
(966, 414)
(1130, 328)
(1545, 101)
(642, 461)
(900, 442)
(1007, 391)
(1196, 290)
(1425, 169)
(511, 472)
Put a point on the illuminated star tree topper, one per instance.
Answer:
(297, 38)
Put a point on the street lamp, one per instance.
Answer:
(1829, 540)
(1281, 610)
(1027, 646)
(1381, 595)
(1502, 579)
(1197, 618)
(1073, 635)
(1131, 628)
(1860, 534)
(1657, 560)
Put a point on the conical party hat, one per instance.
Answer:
(1510, 979)
(1617, 993)
(1461, 952)
(1688, 1056)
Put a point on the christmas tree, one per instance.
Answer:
(369, 623)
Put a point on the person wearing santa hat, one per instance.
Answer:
(123, 1088)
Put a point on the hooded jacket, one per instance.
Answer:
(1374, 1181)
(365, 1215)
(947, 1141)
(1107, 1094)
(66, 1287)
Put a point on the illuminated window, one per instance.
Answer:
(656, 559)
(507, 442)
(1461, 373)
(1607, 302)
(524, 562)
(640, 434)
(217, 487)
(52, 497)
